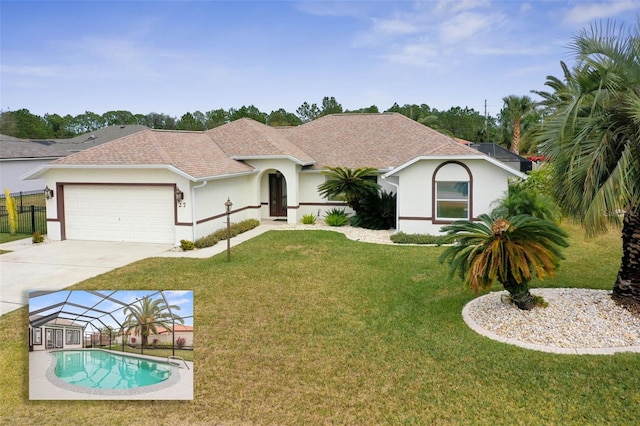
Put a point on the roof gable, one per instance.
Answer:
(246, 138)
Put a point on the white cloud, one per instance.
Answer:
(468, 24)
(448, 6)
(585, 12)
(394, 26)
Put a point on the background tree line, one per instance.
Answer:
(513, 121)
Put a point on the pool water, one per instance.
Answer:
(103, 370)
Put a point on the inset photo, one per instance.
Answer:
(111, 344)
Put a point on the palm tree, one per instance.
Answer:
(145, 318)
(352, 185)
(511, 251)
(517, 109)
(591, 133)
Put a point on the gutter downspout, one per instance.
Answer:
(193, 207)
(397, 186)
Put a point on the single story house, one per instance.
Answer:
(58, 333)
(166, 186)
(20, 156)
(163, 336)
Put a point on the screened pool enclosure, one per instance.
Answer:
(140, 321)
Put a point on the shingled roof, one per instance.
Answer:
(371, 140)
(15, 148)
(347, 140)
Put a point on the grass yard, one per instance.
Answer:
(307, 327)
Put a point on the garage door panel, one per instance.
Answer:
(120, 213)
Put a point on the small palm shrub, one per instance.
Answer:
(336, 217)
(308, 219)
(510, 250)
(377, 211)
(525, 198)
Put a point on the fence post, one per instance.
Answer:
(33, 219)
(21, 208)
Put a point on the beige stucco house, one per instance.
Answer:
(165, 186)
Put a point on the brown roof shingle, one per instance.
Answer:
(346, 140)
(371, 140)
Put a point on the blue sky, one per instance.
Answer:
(183, 299)
(172, 57)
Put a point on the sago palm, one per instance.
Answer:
(352, 185)
(145, 318)
(511, 251)
(591, 134)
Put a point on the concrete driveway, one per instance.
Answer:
(60, 264)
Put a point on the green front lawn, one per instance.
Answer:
(307, 327)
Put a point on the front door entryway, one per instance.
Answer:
(277, 195)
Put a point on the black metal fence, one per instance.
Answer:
(32, 213)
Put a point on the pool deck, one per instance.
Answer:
(42, 388)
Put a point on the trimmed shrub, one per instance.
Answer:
(402, 238)
(180, 341)
(187, 245)
(221, 234)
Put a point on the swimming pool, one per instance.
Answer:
(101, 372)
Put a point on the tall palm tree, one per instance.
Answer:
(145, 318)
(517, 109)
(591, 133)
(512, 251)
(352, 185)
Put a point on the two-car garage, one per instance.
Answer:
(105, 212)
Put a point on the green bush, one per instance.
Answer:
(336, 217)
(402, 238)
(221, 234)
(187, 245)
(37, 238)
(376, 211)
(308, 219)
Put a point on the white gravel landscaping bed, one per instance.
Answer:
(575, 318)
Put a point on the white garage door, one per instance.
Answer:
(119, 213)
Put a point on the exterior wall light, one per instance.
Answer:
(179, 195)
(48, 193)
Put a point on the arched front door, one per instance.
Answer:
(277, 195)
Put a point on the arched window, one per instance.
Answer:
(452, 192)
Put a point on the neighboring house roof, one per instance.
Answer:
(382, 141)
(500, 153)
(161, 330)
(25, 149)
